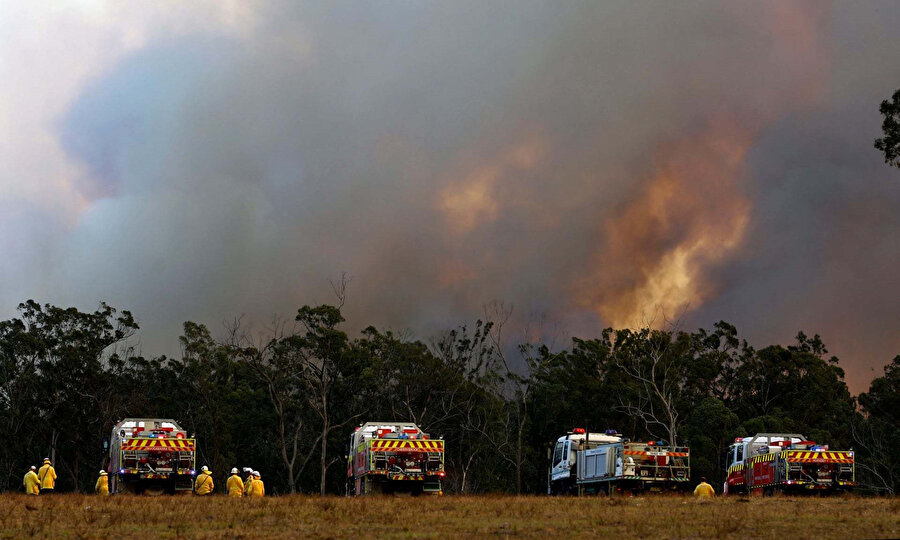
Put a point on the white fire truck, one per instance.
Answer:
(787, 462)
(394, 457)
(607, 463)
(152, 456)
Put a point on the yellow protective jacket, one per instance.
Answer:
(204, 484)
(235, 486)
(31, 483)
(102, 485)
(704, 490)
(47, 476)
(257, 488)
(247, 482)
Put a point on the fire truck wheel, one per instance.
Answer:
(154, 491)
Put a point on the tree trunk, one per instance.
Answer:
(291, 479)
(325, 428)
(323, 463)
(75, 473)
(284, 456)
(519, 437)
(673, 430)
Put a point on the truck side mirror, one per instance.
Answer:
(105, 444)
(549, 452)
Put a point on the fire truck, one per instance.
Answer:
(151, 456)
(789, 463)
(394, 457)
(605, 463)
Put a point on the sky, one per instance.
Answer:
(584, 164)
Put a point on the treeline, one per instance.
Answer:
(285, 400)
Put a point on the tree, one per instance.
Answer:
(63, 355)
(773, 389)
(472, 406)
(518, 384)
(654, 360)
(403, 380)
(277, 367)
(209, 373)
(321, 357)
(19, 400)
(878, 432)
(711, 428)
(890, 143)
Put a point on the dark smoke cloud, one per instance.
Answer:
(448, 154)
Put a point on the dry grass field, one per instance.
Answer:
(82, 516)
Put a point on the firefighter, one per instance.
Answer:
(102, 485)
(47, 476)
(248, 480)
(204, 484)
(31, 482)
(704, 490)
(257, 488)
(235, 486)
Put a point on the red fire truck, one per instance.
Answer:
(394, 457)
(787, 462)
(151, 456)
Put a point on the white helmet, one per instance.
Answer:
(234, 470)
(204, 468)
(33, 468)
(102, 472)
(248, 469)
(256, 474)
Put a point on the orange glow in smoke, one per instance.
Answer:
(473, 201)
(688, 217)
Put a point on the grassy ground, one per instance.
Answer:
(82, 516)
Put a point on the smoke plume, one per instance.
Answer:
(589, 163)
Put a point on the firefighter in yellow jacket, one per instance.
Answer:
(31, 482)
(257, 488)
(102, 485)
(204, 484)
(704, 490)
(235, 486)
(47, 476)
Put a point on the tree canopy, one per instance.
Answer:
(889, 144)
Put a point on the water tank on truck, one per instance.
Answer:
(583, 462)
